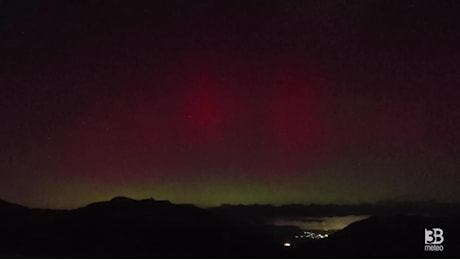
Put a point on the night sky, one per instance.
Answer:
(211, 102)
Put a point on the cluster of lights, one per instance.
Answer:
(311, 235)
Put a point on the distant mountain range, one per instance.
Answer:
(384, 208)
(127, 228)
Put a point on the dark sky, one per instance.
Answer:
(212, 102)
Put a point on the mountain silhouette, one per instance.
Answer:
(8, 208)
(149, 228)
(128, 228)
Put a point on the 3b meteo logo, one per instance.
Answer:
(433, 239)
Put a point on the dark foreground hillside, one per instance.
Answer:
(386, 237)
(126, 228)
